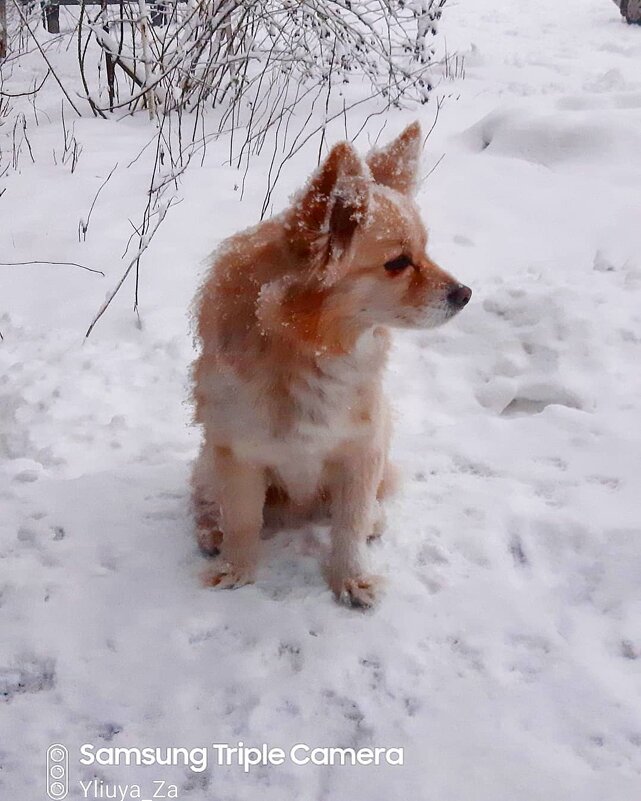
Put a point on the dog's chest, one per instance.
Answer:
(332, 400)
(328, 404)
(290, 416)
(326, 409)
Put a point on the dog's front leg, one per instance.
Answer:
(241, 488)
(353, 509)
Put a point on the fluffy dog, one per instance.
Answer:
(292, 321)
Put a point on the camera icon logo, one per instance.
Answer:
(57, 772)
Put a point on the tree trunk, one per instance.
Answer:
(143, 23)
(4, 36)
(631, 10)
(51, 15)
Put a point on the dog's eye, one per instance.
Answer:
(398, 264)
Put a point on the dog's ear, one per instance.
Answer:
(328, 210)
(397, 164)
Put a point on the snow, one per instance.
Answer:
(505, 655)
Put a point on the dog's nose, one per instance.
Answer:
(459, 296)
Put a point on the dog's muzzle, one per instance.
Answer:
(458, 297)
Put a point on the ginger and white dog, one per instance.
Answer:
(293, 325)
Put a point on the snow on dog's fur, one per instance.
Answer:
(293, 326)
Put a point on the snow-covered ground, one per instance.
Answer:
(505, 657)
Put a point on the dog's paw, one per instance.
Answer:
(209, 541)
(380, 524)
(228, 577)
(362, 592)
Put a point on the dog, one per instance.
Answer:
(293, 324)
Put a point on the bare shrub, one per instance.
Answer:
(265, 73)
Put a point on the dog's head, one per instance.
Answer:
(360, 244)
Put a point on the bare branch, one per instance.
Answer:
(53, 263)
(83, 225)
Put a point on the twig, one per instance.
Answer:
(425, 177)
(28, 92)
(44, 55)
(145, 244)
(54, 263)
(83, 225)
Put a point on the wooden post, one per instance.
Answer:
(631, 10)
(159, 14)
(4, 36)
(51, 16)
